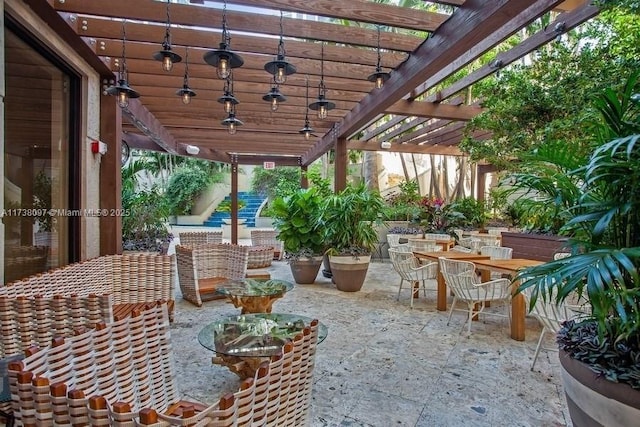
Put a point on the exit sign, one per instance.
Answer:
(269, 165)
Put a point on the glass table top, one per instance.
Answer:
(254, 287)
(255, 335)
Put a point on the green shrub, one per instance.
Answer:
(185, 186)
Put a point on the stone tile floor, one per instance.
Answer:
(384, 364)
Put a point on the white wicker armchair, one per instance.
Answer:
(461, 278)
(410, 269)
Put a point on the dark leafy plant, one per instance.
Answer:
(144, 226)
(404, 206)
(185, 186)
(298, 219)
(474, 212)
(606, 247)
(350, 218)
(436, 216)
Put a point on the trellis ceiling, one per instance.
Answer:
(419, 49)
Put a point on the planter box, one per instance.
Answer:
(541, 247)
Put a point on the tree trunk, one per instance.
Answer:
(370, 170)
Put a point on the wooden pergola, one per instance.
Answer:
(338, 43)
(406, 112)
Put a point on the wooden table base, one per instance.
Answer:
(254, 304)
(244, 367)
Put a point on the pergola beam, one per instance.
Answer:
(474, 21)
(434, 110)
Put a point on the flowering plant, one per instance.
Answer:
(437, 216)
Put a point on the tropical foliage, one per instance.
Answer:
(187, 184)
(350, 217)
(606, 246)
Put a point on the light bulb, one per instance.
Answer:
(223, 68)
(280, 76)
(228, 105)
(379, 82)
(307, 135)
(123, 99)
(167, 63)
(274, 104)
(322, 112)
(186, 98)
(232, 128)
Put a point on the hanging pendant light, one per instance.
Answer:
(279, 67)
(166, 55)
(122, 89)
(228, 100)
(306, 130)
(274, 96)
(322, 105)
(222, 58)
(186, 93)
(379, 77)
(232, 122)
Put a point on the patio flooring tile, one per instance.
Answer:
(384, 364)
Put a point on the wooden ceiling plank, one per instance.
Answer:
(194, 16)
(357, 10)
(473, 22)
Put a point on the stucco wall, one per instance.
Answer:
(90, 124)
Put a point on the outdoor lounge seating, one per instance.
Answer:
(122, 374)
(75, 294)
(190, 238)
(202, 267)
(461, 278)
(268, 238)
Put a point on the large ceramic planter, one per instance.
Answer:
(348, 271)
(540, 247)
(596, 401)
(305, 270)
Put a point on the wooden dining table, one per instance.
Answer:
(441, 302)
(509, 267)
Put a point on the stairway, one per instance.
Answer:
(253, 202)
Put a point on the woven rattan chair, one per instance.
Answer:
(471, 243)
(125, 368)
(190, 238)
(461, 278)
(268, 238)
(410, 269)
(202, 268)
(121, 373)
(460, 248)
(132, 281)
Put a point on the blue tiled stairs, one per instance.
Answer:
(253, 202)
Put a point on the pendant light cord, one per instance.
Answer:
(281, 50)
(167, 35)
(123, 65)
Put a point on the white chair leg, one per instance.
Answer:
(538, 347)
(453, 304)
(399, 289)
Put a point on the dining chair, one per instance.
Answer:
(460, 248)
(472, 243)
(410, 269)
(424, 245)
(393, 240)
(461, 278)
(496, 252)
(437, 236)
(551, 315)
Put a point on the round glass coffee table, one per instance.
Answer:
(254, 295)
(244, 341)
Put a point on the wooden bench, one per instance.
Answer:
(130, 280)
(122, 374)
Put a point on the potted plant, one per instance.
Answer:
(298, 219)
(600, 354)
(350, 219)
